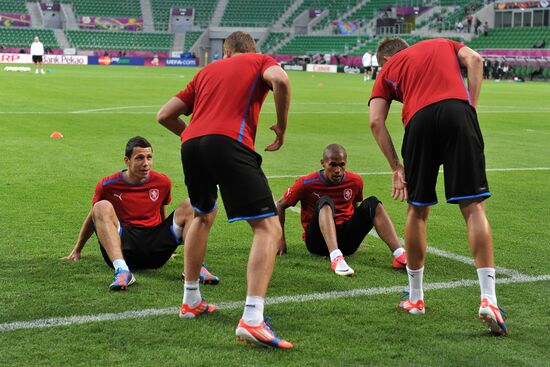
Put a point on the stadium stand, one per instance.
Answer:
(247, 13)
(264, 13)
(23, 37)
(161, 11)
(127, 41)
(273, 39)
(433, 18)
(190, 39)
(453, 11)
(301, 45)
(354, 46)
(372, 44)
(335, 8)
(106, 8)
(521, 38)
(369, 10)
(13, 7)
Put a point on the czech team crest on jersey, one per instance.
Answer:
(154, 194)
(348, 193)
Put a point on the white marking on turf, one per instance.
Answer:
(511, 169)
(463, 259)
(111, 109)
(115, 316)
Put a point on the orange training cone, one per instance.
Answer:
(56, 135)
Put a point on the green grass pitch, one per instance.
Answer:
(47, 185)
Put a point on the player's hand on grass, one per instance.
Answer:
(281, 247)
(399, 185)
(73, 256)
(279, 139)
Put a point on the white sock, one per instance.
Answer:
(178, 231)
(120, 264)
(487, 284)
(334, 254)
(191, 293)
(398, 252)
(253, 313)
(415, 284)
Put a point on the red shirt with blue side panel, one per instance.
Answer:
(309, 189)
(136, 205)
(420, 75)
(226, 97)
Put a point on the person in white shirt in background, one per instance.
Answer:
(37, 53)
(375, 66)
(367, 64)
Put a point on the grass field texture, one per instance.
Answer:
(47, 186)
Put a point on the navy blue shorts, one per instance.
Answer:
(445, 133)
(217, 160)
(349, 234)
(146, 248)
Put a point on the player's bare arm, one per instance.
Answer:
(277, 79)
(473, 63)
(378, 112)
(86, 232)
(282, 205)
(169, 115)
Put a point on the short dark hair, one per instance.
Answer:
(334, 149)
(240, 42)
(136, 141)
(389, 47)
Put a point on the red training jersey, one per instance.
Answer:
(136, 205)
(309, 189)
(226, 97)
(420, 75)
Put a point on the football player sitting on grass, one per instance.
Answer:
(334, 215)
(128, 216)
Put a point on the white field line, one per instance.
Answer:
(432, 250)
(463, 259)
(513, 169)
(73, 320)
(113, 109)
(358, 103)
(515, 277)
(116, 110)
(99, 112)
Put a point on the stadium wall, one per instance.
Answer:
(16, 58)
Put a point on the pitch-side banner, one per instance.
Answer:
(321, 68)
(48, 59)
(15, 59)
(65, 60)
(115, 60)
(176, 61)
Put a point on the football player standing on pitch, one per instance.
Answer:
(217, 148)
(441, 127)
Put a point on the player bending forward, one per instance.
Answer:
(441, 127)
(129, 217)
(334, 216)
